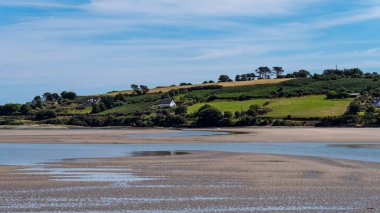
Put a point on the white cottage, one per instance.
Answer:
(168, 103)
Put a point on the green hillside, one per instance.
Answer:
(335, 98)
(299, 107)
(231, 106)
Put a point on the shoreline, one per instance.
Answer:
(237, 135)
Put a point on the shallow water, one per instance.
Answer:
(101, 174)
(31, 154)
(178, 133)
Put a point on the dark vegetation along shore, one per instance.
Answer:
(347, 97)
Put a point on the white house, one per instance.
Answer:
(89, 102)
(167, 103)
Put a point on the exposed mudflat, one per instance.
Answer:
(165, 136)
(198, 182)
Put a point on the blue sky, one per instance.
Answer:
(96, 46)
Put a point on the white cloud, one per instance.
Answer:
(200, 7)
(117, 42)
(349, 17)
(35, 3)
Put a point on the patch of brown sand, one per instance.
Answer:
(126, 136)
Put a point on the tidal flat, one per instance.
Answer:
(202, 177)
(201, 181)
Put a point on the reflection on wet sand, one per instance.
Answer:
(100, 174)
(158, 153)
(358, 146)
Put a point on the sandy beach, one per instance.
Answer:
(212, 181)
(130, 135)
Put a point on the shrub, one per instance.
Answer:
(45, 114)
(174, 121)
(9, 109)
(226, 122)
(180, 110)
(246, 121)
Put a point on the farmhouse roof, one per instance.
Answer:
(166, 101)
(355, 94)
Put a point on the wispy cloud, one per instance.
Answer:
(355, 16)
(200, 7)
(35, 3)
(112, 43)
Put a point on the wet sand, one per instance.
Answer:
(201, 181)
(228, 182)
(126, 135)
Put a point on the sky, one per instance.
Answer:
(97, 46)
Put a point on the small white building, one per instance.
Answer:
(90, 101)
(167, 103)
(354, 95)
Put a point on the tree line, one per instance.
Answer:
(265, 73)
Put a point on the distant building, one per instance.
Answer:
(354, 95)
(89, 102)
(167, 103)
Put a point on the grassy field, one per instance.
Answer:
(308, 106)
(231, 106)
(128, 108)
(294, 88)
(224, 84)
(87, 110)
(300, 107)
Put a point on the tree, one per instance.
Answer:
(331, 94)
(144, 89)
(264, 72)
(208, 116)
(37, 102)
(224, 78)
(238, 78)
(25, 109)
(228, 114)
(50, 96)
(119, 97)
(135, 88)
(45, 114)
(180, 110)
(303, 74)
(9, 109)
(226, 122)
(68, 95)
(253, 110)
(95, 108)
(371, 109)
(251, 76)
(354, 108)
(37, 98)
(174, 120)
(278, 70)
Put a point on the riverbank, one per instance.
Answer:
(213, 181)
(160, 135)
